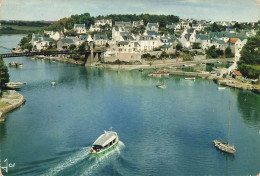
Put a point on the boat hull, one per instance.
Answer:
(94, 154)
(161, 86)
(224, 147)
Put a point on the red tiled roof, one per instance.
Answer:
(232, 40)
(238, 73)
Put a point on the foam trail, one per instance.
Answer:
(72, 160)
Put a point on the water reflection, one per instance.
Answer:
(2, 131)
(249, 106)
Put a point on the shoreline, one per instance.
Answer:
(230, 82)
(10, 101)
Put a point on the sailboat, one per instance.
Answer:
(225, 146)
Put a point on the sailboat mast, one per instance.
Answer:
(228, 124)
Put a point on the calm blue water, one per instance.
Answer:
(162, 132)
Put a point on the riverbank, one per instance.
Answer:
(9, 101)
(59, 59)
(236, 83)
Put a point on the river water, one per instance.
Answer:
(162, 131)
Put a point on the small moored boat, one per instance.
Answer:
(162, 86)
(221, 88)
(193, 78)
(14, 64)
(17, 83)
(104, 144)
(2, 120)
(159, 74)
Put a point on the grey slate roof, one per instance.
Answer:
(146, 37)
(83, 37)
(221, 42)
(203, 37)
(99, 37)
(123, 43)
(67, 40)
(152, 33)
(149, 25)
(123, 23)
(166, 46)
(79, 25)
(128, 37)
(191, 30)
(47, 39)
(125, 34)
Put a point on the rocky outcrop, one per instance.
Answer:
(9, 101)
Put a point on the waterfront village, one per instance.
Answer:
(195, 48)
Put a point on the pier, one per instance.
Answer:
(91, 56)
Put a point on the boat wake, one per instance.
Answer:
(98, 163)
(79, 163)
(69, 161)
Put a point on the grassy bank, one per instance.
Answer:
(17, 29)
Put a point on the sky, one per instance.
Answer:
(217, 10)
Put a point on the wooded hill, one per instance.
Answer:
(87, 19)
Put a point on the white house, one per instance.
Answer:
(152, 27)
(188, 37)
(94, 28)
(204, 41)
(198, 27)
(64, 43)
(128, 47)
(238, 47)
(174, 26)
(80, 28)
(121, 34)
(138, 23)
(148, 43)
(54, 35)
(184, 25)
(39, 42)
(100, 40)
(103, 22)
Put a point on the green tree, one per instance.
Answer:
(249, 64)
(179, 46)
(82, 47)
(228, 53)
(212, 52)
(215, 27)
(25, 40)
(72, 47)
(196, 46)
(4, 75)
(164, 55)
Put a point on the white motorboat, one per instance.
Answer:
(221, 88)
(193, 78)
(162, 86)
(104, 144)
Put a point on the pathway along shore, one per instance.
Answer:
(9, 101)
